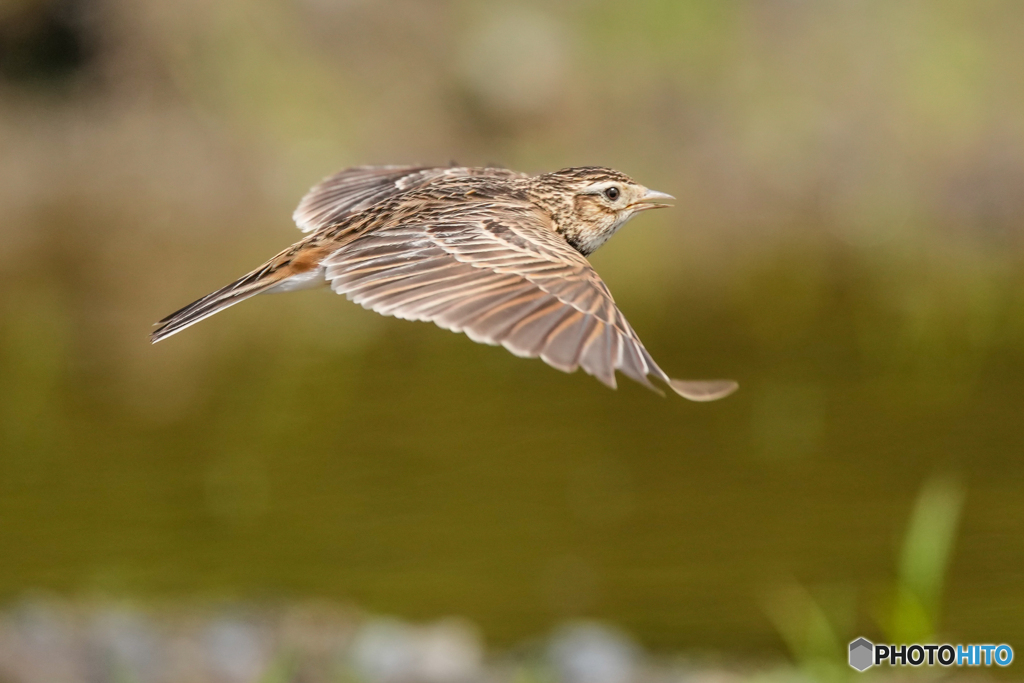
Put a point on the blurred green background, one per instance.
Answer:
(847, 243)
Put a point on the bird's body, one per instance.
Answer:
(490, 252)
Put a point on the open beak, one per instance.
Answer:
(652, 200)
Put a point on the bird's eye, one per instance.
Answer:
(612, 193)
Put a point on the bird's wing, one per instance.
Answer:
(509, 281)
(355, 189)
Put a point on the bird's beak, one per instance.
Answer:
(652, 200)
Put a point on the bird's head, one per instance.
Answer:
(590, 204)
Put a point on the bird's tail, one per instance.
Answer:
(257, 281)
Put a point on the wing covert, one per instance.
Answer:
(360, 187)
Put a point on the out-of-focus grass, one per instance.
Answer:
(924, 562)
(817, 628)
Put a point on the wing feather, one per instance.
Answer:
(563, 347)
(507, 279)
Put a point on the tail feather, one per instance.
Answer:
(239, 290)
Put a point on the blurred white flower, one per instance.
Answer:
(235, 650)
(594, 653)
(131, 640)
(384, 650)
(390, 651)
(450, 651)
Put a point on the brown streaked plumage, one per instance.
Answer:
(493, 253)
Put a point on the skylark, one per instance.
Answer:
(490, 252)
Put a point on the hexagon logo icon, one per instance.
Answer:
(862, 654)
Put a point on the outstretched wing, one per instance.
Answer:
(512, 282)
(355, 189)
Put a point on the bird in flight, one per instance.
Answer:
(493, 253)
